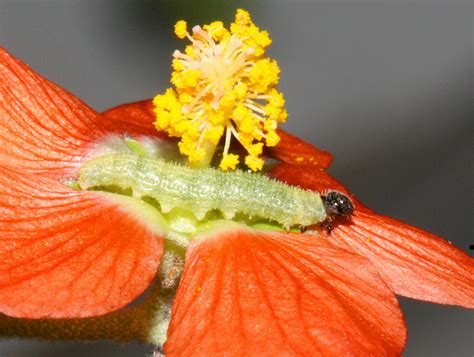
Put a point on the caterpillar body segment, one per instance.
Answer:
(201, 190)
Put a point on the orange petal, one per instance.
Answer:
(66, 253)
(312, 178)
(414, 263)
(293, 150)
(134, 118)
(254, 293)
(42, 127)
(63, 253)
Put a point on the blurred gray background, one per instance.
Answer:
(386, 87)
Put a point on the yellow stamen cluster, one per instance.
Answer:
(223, 86)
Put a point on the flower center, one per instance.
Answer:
(224, 88)
(219, 67)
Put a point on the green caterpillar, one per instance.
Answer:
(202, 190)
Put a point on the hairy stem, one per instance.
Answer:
(144, 322)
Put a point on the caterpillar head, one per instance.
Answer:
(337, 204)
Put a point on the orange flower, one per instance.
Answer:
(66, 253)
(63, 252)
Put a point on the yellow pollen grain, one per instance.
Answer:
(229, 161)
(180, 29)
(272, 139)
(253, 162)
(242, 17)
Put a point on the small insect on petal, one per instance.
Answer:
(338, 204)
